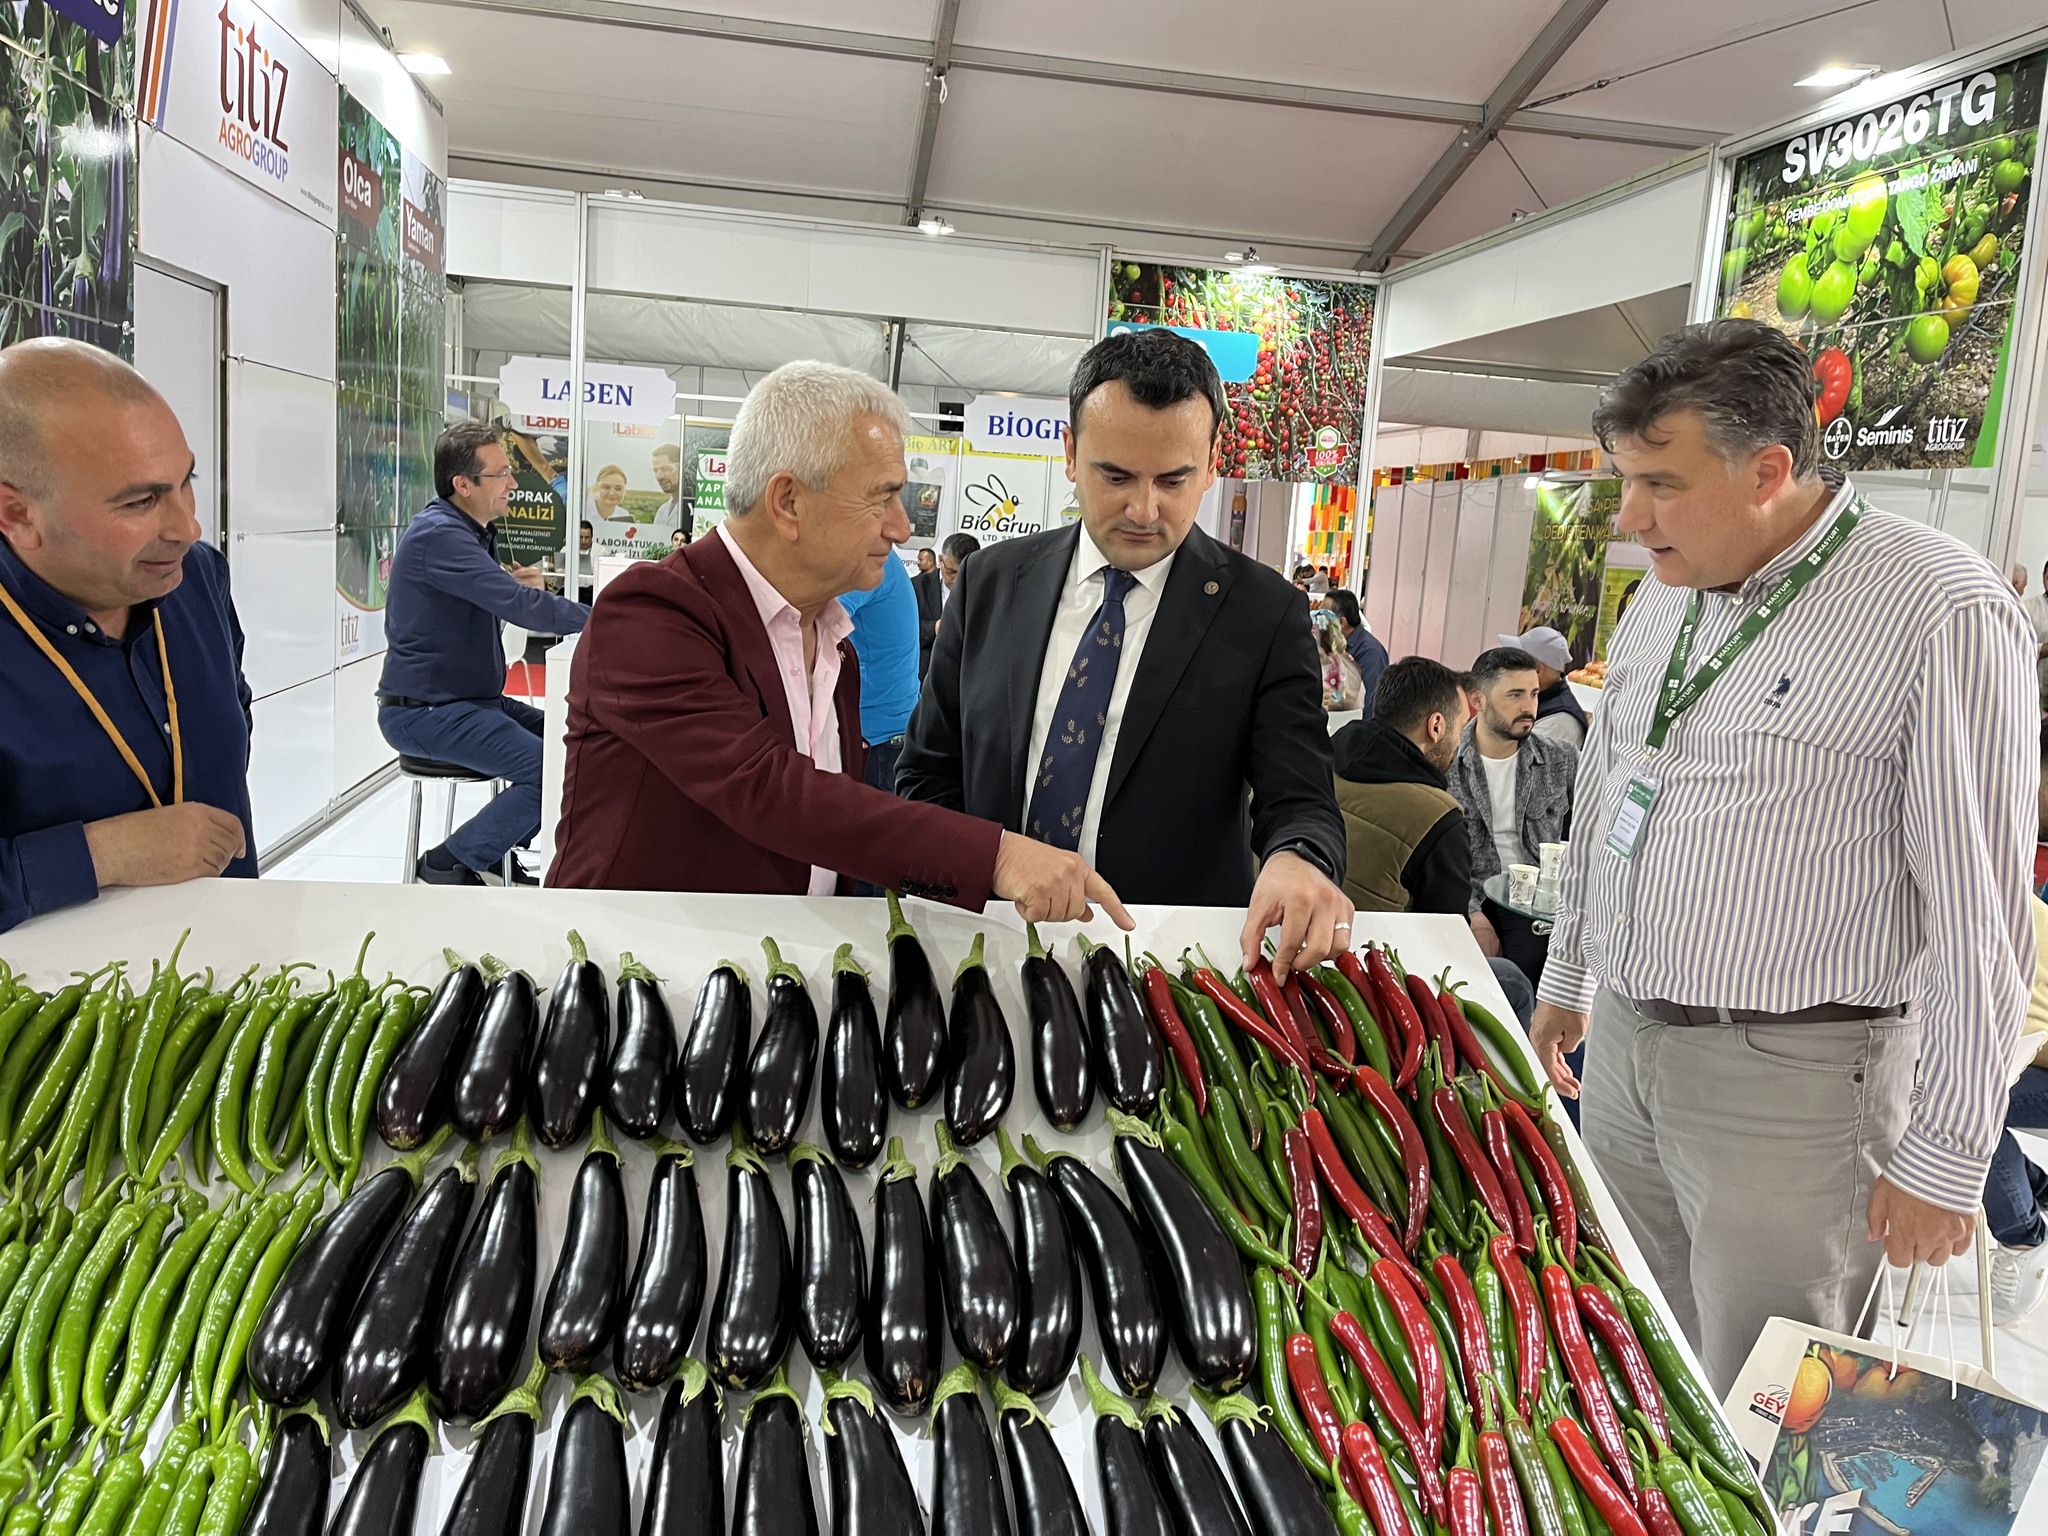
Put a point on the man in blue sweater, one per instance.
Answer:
(443, 690)
(886, 641)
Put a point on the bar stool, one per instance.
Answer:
(417, 771)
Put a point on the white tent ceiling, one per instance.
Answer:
(1317, 129)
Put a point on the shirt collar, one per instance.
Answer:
(1801, 547)
(834, 624)
(1089, 560)
(58, 613)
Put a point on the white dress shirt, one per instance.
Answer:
(1080, 597)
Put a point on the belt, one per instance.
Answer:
(400, 701)
(1686, 1016)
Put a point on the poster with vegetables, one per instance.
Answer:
(1297, 411)
(1568, 539)
(1891, 244)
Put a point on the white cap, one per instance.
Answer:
(1547, 645)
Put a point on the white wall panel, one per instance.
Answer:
(359, 748)
(512, 234)
(372, 74)
(284, 591)
(178, 349)
(1465, 634)
(1410, 563)
(281, 451)
(1438, 572)
(1515, 517)
(1436, 397)
(291, 760)
(314, 23)
(1389, 511)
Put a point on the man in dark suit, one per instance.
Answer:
(714, 704)
(930, 588)
(1134, 689)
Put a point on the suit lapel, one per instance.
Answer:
(1196, 589)
(1029, 630)
(720, 573)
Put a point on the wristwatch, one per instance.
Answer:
(1307, 850)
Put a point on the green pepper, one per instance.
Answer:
(348, 1062)
(178, 1449)
(227, 1123)
(1564, 1490)
(1356, 1140)
(59, 1074)
(254, 1295)
(152, 1311)
(82, 1108)
(241, 1263)
(273, 1069)
(349, 996)
(106, 1124)
(189, 1036)
(45, 1249)
(392, 1030)
(234, 1474)
(22, 1052)
(74, 1319)
(1234, 1139)
(198, 1292)
(1269, 1305)
(1697, 1510)
(159, 1011)
(188, 1112)
(1212, 1042)
(111, 1327)
(181, 1515)
(39, 1321)
(1248, 1240)
(1372, 1039)
(119, 1481)
(1335, 1367)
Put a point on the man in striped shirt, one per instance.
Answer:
(1795, 907)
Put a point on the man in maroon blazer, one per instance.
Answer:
(714, 702)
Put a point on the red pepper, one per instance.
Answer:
(1612, 1324)
(1381, 1499)
(1502, 1155)
(1312, 1393)
(1402, 1011)
(1386, 1391)
(1599, 1410)
(1468, 1044)
(1354, 972)
(1503, 1495)
(1247, 1019)
(1475, 1350)
(1450, 1119)
(1272, 1000)
(1532, 1346)
(1343, 1038)
(1550, 1178)
(1174, 1031)
(1344, 1188)
(1424, 1002)
(1414, 1153)
(1602, 1492)
(1297, 1010)
(1307, 1199)
(1466, 1496)
(1405, 1297)
(1658, 1519)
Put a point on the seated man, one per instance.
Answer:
(1559, 715)
(125, 753)
(714, 705)
(443, 690)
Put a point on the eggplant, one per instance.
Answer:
(492, 1498)
(1280, 1499)
(388, 1340)
(589, 1494)
(872, 1493)
(481, 1332)
(385, 1492)
(852, 1098)
(1198, 1495)
(567, 1080)
(1048, 1336)
(1208, 1303)
(773, 1495)
(902, 1323)
(1127, 1058)
(489, 1086)
(588, 1291)
(686, 1481)
(1128, 1317)
(977, 1276)
(713, 1065)
(914, 1032)
(299, 1333)
(293, 1498)
(1131, 1499)
(750, 1317)
(1047, 1504)
(644, 1056)
(412, 1101)
(967, 1477)
(1061, 1070)
(667, 1292)
(831, 1260)
(779, 1070)
(981, 1063)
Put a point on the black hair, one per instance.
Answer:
(586, 523)
(1345, 604)
(1413, 689)
(458, 451)
(2044, 743)
(1751, 383)
(1160, 368)
(959, 546)
(1488, 665)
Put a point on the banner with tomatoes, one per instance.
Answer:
(1890, 244)
(1297, 401)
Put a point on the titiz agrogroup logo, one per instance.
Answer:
(252, 90)
(1948, 434)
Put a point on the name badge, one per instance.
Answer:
(1630, 815)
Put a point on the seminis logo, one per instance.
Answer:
(253, 83)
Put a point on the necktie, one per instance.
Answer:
(1059, 791)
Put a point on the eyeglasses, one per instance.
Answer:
(503, 474)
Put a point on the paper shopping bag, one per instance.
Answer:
(1858, 1439)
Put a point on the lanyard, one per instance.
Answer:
(1680, 693)
(35, 633)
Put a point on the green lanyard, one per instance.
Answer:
(1680, 694)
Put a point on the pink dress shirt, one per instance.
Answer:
(811, 709)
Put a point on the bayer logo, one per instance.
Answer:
(1838, 437)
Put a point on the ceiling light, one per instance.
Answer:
(933, 224)
(425, 63)
(1835, 76)
(1253, 267)
(1233, 255)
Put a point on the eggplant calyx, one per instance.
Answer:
(310, 1409)
(779, 1387)
(521, 1151)
(578, 954)
(524, 1398)
(1088, 945)
(363, 953)
(694, 1377)
(837, 1387)
(741, 1153)
(973, 962)
(414, 1411)
(1010, 1400)
(806, 1152)
(1157, 1407)
(455, 961)
(1040, 1156)
(632, 970)
(950, 1156)
(1037, 947)
(899, 925)
(414, 1163)
(1012, 1158)
(779, 967)
(1224, 1408)
(597, 1388)
(737, 969)
(601, 1143)
(1107, 1404)
(896, 1166)
(681, 1151)
(964, 1377)
(492, 967)
(843, 963)
(466, 1165)
(1130, 1126)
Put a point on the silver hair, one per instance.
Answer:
(796, 419)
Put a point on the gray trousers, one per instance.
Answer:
(1740, 1158)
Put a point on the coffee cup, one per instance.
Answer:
(1522, 884)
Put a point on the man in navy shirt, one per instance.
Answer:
(443, 691)
(124, 719)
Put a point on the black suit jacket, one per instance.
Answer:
(1227, 700)
(931, 600)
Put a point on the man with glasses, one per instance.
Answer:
(443, 691)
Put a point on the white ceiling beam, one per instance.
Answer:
(928, 115)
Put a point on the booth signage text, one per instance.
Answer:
(1017, 424)
(539, 386)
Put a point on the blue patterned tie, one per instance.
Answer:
(1059, 791)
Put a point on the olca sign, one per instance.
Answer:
(542, 386)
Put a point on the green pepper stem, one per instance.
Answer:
(779, 1387)
(973, 960)
(1107, 1404)
(899, 925)
(962, 1378)
(578, 955)
(363, 953)
(895, 1165)
(632, 970)
(843, 963)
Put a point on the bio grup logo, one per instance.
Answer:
(253, 83)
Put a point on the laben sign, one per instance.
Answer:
(544, 386)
